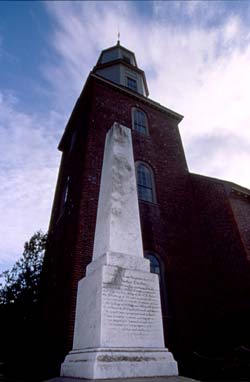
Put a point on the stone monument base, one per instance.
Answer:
(119, 363)
(118, 328)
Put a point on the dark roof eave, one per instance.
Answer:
(222, 181)
(173, 114)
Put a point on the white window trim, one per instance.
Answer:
(133, 120)
(137, 163)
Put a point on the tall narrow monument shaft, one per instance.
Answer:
(118, 223)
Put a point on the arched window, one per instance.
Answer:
(139, 121)
(145, 183)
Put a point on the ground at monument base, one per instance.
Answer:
(148, 379)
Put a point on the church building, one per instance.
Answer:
(195, 229)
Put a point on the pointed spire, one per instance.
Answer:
(118, 35)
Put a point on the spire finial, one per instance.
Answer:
(118, 35)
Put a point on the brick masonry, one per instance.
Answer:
(198, 228)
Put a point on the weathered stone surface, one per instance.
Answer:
(119, 363)
(118, 327)
(150, 379)
(123, 309)
(118, 223)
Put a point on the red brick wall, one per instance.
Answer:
(224, 282)
(191, 227)
(240, 203)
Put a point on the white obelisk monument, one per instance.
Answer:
(118, 327)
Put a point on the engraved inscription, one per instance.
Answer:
(130, 304)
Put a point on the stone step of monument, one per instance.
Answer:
(148, 379)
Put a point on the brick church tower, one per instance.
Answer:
(190, 224)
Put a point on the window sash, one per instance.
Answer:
(140, 123)
(145, 193)
(144, 177)
(131, 83)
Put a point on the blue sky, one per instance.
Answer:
(196, 56)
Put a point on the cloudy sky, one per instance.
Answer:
(196, 56)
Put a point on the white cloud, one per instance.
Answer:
(28, 169)
(194, 65)
(201, 72)
(82, 30)
(232, 28)
(204, 147)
